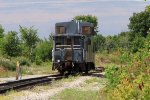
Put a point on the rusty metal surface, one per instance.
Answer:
(68, 54)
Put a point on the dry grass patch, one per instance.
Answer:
(76, 94)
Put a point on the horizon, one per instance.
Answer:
(113, 15)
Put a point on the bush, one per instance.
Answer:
(23, 61)
(8, 65)
(38, 61)
(43, 51)
(11, 45)
(110, 74)
(131, 81)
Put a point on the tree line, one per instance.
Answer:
(29, 45)
(132, 40)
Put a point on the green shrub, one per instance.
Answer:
(43, 51)
(23, 61)
(131, 81)
(111, 74)
(38, 61)
(8, 65)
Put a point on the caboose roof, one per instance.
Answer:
(57, 35)
(65, 24)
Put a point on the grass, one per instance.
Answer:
(33, 69)
(69, 79)
(44, 68)
(88, 91)
(7, 74)
(103, 59)
(54, 84)
(98, 80)
(75, 94)
(10, 95)
(7, 64)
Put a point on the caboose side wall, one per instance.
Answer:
(89, 50)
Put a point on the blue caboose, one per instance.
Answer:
(73, 47)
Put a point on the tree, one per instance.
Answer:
(99, 42)
(147, 8)
(137, 44)
(1, 38)
(140, 22)
(29, 38)
(88, 18)
(110, 43)
(1, 32)
(43, 50)
(123, 40)
(11, 44)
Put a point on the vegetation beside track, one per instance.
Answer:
(32, 69)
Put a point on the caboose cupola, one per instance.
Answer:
(74, 27)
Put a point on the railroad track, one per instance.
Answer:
(14, 85)
(100, 69)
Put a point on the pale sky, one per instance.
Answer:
(113, 15)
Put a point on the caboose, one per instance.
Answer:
(73, 47)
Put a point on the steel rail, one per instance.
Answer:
(14, 85)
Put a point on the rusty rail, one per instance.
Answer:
(14, 85)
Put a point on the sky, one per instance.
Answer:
(113, 15)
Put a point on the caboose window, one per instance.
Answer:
(77, 40)
(59, 40)
(86, 30)
(60, 29)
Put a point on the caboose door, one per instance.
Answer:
(68, 49)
